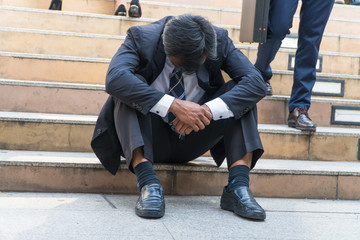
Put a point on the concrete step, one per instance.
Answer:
(328, 62)
(53, 68)
(40, 131)
(60, 68)
(58, 42)
(82, 172)
(114, 25)
(59, 98)
(340, 43)
(104, 46)
(331, 85)
(327, 143)
(66, 21)
(152, 8)
(60, 132)
(51, 97)
(324, 112)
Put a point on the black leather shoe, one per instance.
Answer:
(300, 119)
(121, 10)
(55, 5)
(269, 91)
(242, 202)
(151, 202)
(135, 9)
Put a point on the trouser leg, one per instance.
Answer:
(313, 18)
(238, 137)
(148, 132)
(162, 145)
(242, 136)
(133, 130)
(280, 21)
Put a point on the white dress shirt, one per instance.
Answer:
(193, 93)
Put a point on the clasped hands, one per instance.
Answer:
(190, 116)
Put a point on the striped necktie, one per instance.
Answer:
(176, 89)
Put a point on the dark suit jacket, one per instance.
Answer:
(143, 53)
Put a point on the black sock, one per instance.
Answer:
(238, 176)
(145, 174)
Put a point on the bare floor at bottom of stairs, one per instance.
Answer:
(97, 216)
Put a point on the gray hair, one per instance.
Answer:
(191, 38)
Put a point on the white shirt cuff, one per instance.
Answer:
(219, 109)
(161, 108)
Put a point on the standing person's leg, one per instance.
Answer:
(120, 8)
(134, 10)
(280, 21)
(313, 18)
(55, 5)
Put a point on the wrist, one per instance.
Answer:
(175, 105)
(207, 108)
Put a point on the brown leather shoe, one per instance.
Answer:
(300, 119)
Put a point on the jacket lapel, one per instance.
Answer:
(203, 77)
(158, 60)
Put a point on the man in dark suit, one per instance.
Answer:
(313, 18)
(169, 103)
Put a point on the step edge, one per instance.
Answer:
(314, 99)
(320, 131)
(293, 50)
(106, 16)
(61, 33)
(29, 83)
(47, 118)
(324, 75)
(192, 166)
(91, 120)
(100, 87)
(70, 13)
(236, 10)
(107, 60)
(90, 157)
(54, 57)
(293, 34)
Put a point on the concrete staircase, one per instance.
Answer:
(52, 88)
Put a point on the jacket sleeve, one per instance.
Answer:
(121, 80)
(250, 87)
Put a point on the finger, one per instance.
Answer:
(188, 131)
(205, 120)
(175, 122)
(208, 114)
(178, 126)
(182, 129)
(194, 127)
(201, 125)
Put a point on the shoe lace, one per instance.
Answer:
(304, 111)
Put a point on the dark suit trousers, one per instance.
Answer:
(162, 145)
(313, 18)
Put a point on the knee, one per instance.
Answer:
(279, 31)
